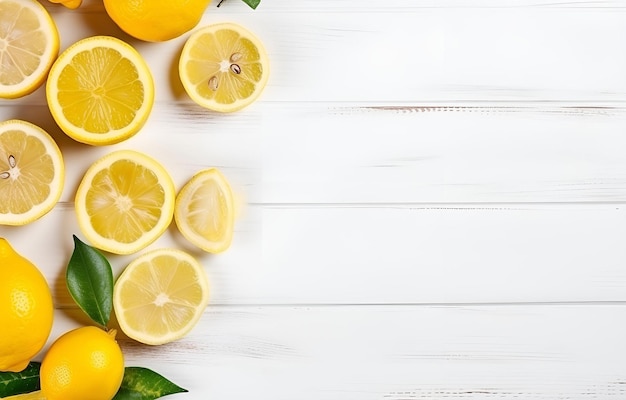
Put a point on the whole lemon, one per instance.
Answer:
(85, 363)
(26, 309)
(156, 20)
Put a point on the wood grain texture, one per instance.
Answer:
(431, 202)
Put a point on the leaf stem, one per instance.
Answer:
(220, 3)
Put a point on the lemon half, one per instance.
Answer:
(124, 202)
(223, 67)
(100, 90)
(160, 296)
(29, 44)
(32, 172)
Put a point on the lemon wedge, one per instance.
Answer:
(32, 172)
(29, 44)
(100, 91)
(205, 211)
(223, 67)
(160, 296)
(124, 202)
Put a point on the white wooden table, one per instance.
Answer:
(432, 202)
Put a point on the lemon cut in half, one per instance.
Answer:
(32, 172)
(160, 296)
(124, 202)
(205, 211)
(29, 44)
(100, 91)
(223, 67)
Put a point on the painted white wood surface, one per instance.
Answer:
(431, 202)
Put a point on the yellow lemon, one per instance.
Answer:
(26, 310)
(156, 20)
(32, 172)
(205, 211)
(85, 363)
(160, 296)
(223, 67)
(29, 44)
(125, 201)
(71, 4)
(100, 90)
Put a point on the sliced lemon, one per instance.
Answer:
(205, 211)
(124, 202)
(71, 4)
(29, 44)
(31, 172)
(160, 296)
(223, 67)
(100, 90)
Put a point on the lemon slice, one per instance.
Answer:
(205, 211)
(71, 4)
(223, 67)
(124, 202)
(31, 172)
(160, 296)
(29, 43)
(100, 91)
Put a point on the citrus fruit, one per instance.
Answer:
(26, 310)
(160, 296)
(29, 44)
(32, 172)
(125, 201)
(100, 90)
(84, 363)
(223, 67)
(205, 211)
(71, 4)
(156, 20)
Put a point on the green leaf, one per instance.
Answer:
(26, 381)
(252, 3)
(90, 282)
(144, 384)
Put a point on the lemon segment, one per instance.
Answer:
(100, 91)
(29, 44)
(32, 172)
(160, 296)
(205, 211)
(223, 67)
(124, 202)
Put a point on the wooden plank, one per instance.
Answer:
(370, 154)
(393, 353)
(412, 54)
(386, 254)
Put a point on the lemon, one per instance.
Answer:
(26, 310)
(156, 20)
(71, 4)
(29, 44)
(100, 90)
(223, 67)
(205, 211)
(84, 363)
(160, 296)
(125, 201)
(32, 172)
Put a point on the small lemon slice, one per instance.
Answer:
(32, 172)
(124, 202)
(223, 67)
(100, 91)
(205, 211)
(71, 4)
(29, 44)
(160, 296)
